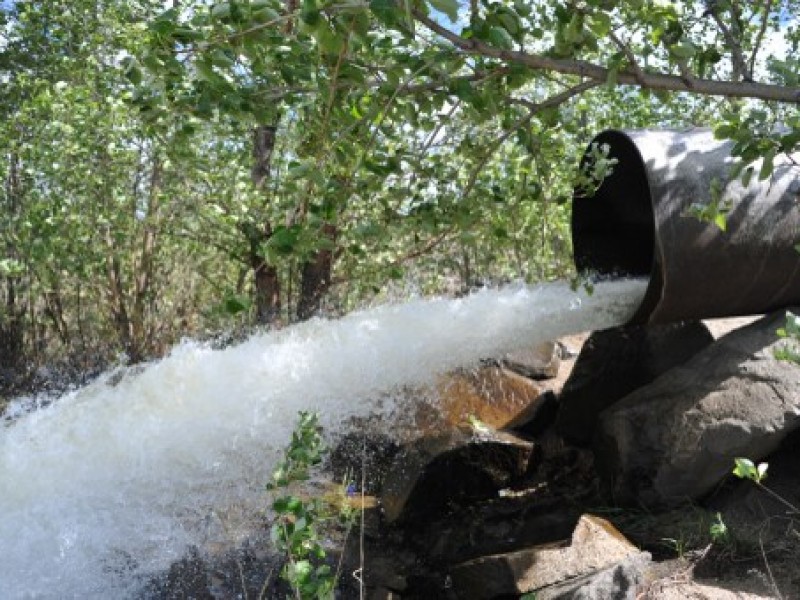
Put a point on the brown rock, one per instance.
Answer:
(493, 395)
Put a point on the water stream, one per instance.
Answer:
(111, 483)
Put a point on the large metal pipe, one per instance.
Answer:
(638, 223)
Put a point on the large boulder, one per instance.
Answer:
(615, 362)
(677, 437)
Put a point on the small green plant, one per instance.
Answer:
(296, 531)
(718, 529)
(716, 211)
(747, 469)
(679, 545)
(790, 350)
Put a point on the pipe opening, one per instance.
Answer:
(613, 231)
(639, 223)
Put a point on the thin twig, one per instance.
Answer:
(732, 39)
(778, 497)
(263, 591)
(769, 570)
(625, 49)
(242, 579)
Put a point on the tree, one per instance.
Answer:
(359, 77)
(187, 169)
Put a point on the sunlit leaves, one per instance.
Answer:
(448, 7)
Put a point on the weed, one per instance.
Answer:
(718, 530)
(296, 531)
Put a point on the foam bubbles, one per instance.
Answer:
(112, 483)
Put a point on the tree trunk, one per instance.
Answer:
(143, 277)
(265, 276)
(12, 331)
(316, 277)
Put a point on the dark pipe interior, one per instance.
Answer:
(614, 230)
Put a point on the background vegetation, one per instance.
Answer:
(185, 168)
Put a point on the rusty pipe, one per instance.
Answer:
(638, 223)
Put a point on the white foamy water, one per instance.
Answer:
(112, 483)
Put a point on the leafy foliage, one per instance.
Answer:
(177, 170)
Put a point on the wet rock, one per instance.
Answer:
(537, 418)
(187, 578)
(432, 474)
(615, 362)
(538, 362)
(677, 437)
(597, 560)
(495, 526)
(493, 395)
(363, 452)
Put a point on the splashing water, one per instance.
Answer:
(111, 484)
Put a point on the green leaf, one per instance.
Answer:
(448, 7)
(768, 165)
(600, 24)
(235, 304)
(747, 175)
(684, 50)
(500, 38)
(310, 13)
(386, 11)
(221, 10)
(611, 78)
(221, 59)
(130, 67)
(725, 131)
(744, 469)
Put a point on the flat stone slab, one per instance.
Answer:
(596, 547)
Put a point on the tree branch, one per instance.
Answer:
(533, 108)
(760, 36)
(653, 81)
(732, 37)
(625, 49)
